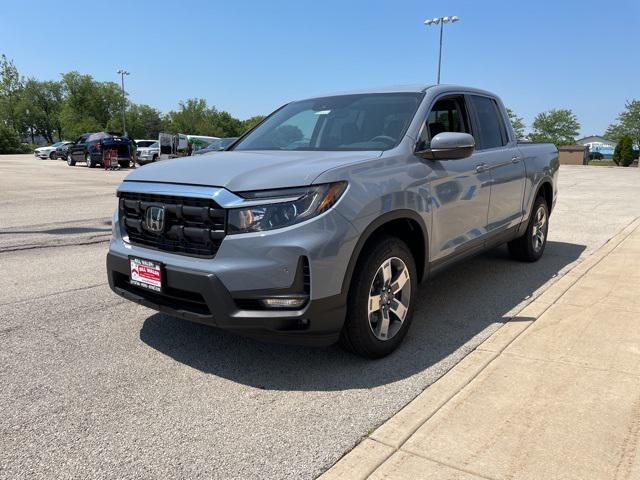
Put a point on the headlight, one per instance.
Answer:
(282, 208)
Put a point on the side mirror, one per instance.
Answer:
(449, 146)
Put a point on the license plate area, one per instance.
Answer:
(146, 274)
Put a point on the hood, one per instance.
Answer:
(248, 170)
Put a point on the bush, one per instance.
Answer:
(625, 145)
(10, 141)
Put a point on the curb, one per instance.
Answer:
(387, 439)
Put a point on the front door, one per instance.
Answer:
(77, 150)
(459, 188)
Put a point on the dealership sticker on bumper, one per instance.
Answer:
(146, 274)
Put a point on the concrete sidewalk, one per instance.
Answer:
(554, 393)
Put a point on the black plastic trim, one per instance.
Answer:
(318, 323)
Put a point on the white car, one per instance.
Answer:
(148, 151)
(49, 152)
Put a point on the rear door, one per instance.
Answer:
(498, 154)
(459, 191)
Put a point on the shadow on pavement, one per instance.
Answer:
(453, 311)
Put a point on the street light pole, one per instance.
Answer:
(124, 125)
(440, 21)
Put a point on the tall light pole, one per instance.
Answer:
(440, 21)
(124, 125)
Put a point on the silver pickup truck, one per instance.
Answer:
(319, 224)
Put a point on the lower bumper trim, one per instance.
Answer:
(202, 298)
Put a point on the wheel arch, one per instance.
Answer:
(545, 189)
(408, 226)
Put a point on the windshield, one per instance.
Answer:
(57, 144)
(214, 145)
(145, 143)
(346, 122)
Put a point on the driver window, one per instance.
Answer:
(447, 115)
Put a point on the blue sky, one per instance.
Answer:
(249, 57)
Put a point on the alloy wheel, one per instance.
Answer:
(389, 298)
(538, 232)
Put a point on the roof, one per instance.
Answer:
(572, 148)
(415, 88)
(593, 139)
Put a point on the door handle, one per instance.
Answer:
(515, 159)
(481, 168)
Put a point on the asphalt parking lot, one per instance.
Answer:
(94, 386)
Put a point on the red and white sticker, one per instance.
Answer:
(146, 274)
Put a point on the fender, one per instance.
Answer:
(525, 221)
(369, 231)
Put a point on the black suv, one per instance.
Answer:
(90, 148)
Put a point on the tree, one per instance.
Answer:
(559, 127)
(89, 105)
(143, 121)
(40, 105)
(11, 85)
(517, 123)
(195, 117)
(623, 153)
(628, 123)
(10, 141)
(249, 123)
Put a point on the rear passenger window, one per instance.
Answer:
(490, 132)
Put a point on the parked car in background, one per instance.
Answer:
(216, 145)
(90, 147)
(60, 152)
(319, 224)
(148, 151)
(181, 145)
(50, 151)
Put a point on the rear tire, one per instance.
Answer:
(70, 161)
(530, 246)
(52, 155)
(381, 299)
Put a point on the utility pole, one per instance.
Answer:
(440, 21)
(124, 125)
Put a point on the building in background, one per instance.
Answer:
(573, 154)
(597, 144)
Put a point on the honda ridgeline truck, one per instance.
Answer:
(319, 224)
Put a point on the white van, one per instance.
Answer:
(181, 145)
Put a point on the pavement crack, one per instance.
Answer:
(54, 294)
(92, 240)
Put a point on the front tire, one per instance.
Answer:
(530, 246)
(381, 299)
(70, 161)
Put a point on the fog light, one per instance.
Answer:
(284, 302)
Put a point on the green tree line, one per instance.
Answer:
(77, 103)
(561, 127)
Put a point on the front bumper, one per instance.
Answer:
(201, 297)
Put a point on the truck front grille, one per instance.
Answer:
(192, 226)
